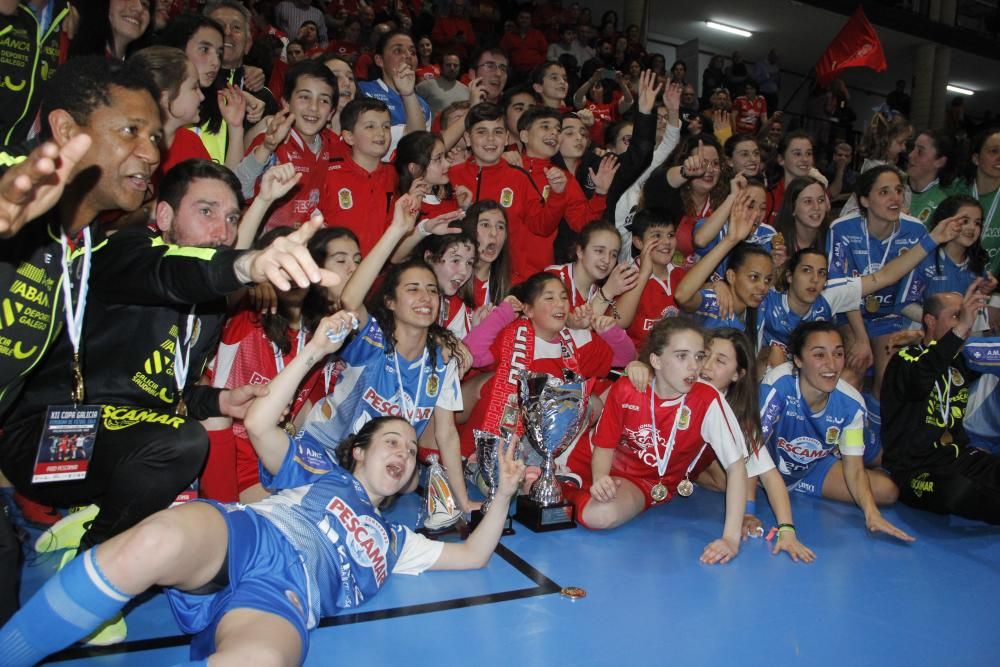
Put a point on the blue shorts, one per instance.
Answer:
(811, 484)
(265, 574)
(883, 325)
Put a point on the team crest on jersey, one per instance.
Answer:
(956, 377)
(924, 214)
(545, 192)
(346, 198)
(433, 384)
(507, 197)
(832, 435)
(670, 311)
(685, 418)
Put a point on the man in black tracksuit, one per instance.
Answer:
(924, 400)
(30, 41)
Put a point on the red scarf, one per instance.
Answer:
(516, 352)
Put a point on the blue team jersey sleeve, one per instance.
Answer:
(838, 249)
(982, 354)
(772, 401)
(305, 461)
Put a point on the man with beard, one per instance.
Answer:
(445, 89)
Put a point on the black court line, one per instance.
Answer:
(543, 586)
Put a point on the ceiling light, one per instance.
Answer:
(958, 89)
(728, 28)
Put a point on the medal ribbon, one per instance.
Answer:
(182, 354)
(888, 246)
(408, 413)
(74, 312)
(662, 462)
(944, 403)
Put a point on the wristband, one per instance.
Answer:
(786, 528)
(422, 228)
(751, 507)
(929, 244)
(684, 174)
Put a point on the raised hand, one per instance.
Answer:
(441, 224)
(557, 179)
(287, 260)
(603, 323)
(255, 107)
(33, 186)
(331, 332)
(580, 317)
(405, 79)
(695, 165)
(672, 96)
(639, 374)
(621, 279)
(948, 229)
(278, 181)
(605, 174)
(232, 105)
(511, 471)
(477, 92)
(649, 89)
(463, 196)
(278, 127)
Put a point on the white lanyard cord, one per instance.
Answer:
(662, 462)
(408, 413)
(74, 315)
(182, 354)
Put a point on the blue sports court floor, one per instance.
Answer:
(865, 601)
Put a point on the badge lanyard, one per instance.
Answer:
(572, 285)
(409, 413)
(182, 357)
(74, 312)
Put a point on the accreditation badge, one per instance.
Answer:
(67, 443)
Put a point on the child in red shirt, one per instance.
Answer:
(359, 190)
(298, 135)
(488, 176)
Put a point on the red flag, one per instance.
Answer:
(856, 45)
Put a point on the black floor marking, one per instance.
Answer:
(543, 586)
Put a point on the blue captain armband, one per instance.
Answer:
(929, 244)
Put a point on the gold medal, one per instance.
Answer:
(685, 488)
(289, 428)
(181, 409)
(871, 303)
(76, 393)
(658, 492)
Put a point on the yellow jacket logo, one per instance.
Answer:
(118, 418)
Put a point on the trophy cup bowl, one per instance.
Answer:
(552, 410)
(489, 449)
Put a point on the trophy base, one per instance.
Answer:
(460, 528)
(543, 518)
(508, 523)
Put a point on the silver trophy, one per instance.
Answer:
(489, 449)
(552, 409)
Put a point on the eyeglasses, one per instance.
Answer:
(491, 66)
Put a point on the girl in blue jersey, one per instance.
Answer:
(807, 413)
(747, 278)
(810, 297)
(401, 362)
(957, 263)
(709, 231)
(251, 581)
(862, 244)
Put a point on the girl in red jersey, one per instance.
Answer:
(422, 166)
(728, 367)
(652, 298)
(452, 257)
(486, 221)
(537, 340)
(595, 278)
(647, 442)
